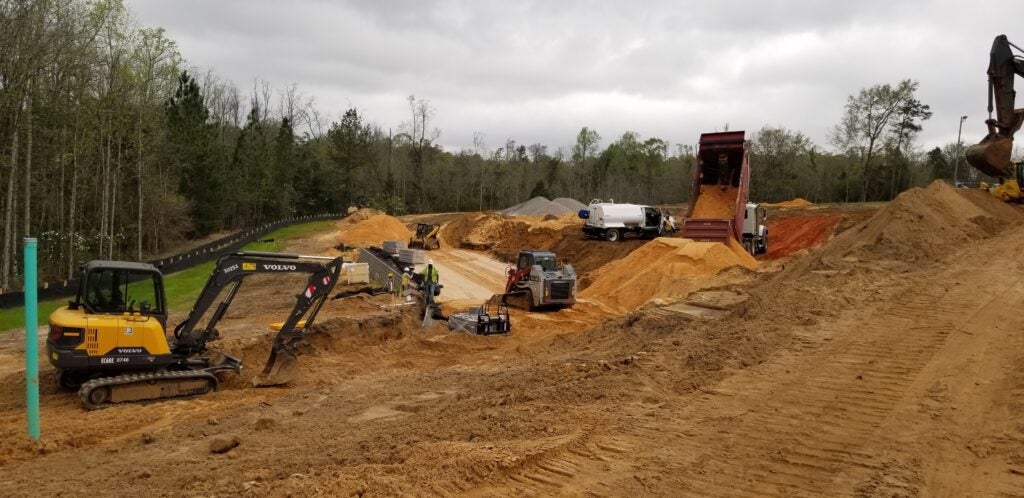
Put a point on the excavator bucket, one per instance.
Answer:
(280, 369)
(992, 156)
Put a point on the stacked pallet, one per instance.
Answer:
(412, 256)
(393, 246)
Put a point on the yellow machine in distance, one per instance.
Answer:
(426, 237)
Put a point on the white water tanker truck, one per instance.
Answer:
(612, 222)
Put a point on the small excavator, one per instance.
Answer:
(110, 342)
(992, 155)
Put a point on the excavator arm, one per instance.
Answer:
(992, 155)
(226, 279)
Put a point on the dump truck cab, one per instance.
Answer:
(755, 233)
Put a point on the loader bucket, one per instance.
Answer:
(992, 156)
(280, 369)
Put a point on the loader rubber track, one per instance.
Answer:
(108, 391)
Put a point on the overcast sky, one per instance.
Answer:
(539, 71)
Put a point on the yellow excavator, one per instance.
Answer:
(426, 237)
(110, 342)
(992, 155)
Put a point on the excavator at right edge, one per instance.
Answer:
(992, 155)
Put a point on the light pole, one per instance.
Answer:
(959, 150)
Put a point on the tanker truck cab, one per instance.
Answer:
(612, 222)
(755, 233)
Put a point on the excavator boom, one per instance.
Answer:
(992, 155)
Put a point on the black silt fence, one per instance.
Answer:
(172, 264)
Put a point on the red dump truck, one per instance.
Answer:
(718, 201)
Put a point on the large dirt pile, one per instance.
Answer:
(715, 203)
(663, 267)
(924, 224)
(541, 206)
(374, 230)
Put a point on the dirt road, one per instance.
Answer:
(468, 275)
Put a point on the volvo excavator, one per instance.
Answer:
(992, 155)
(110, 342)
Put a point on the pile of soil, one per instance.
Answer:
(798, 202)
(662, 268)
(374, 230)
(924, 224)
(362, 214)
(541, 206)
(715, 203)
(796, 233)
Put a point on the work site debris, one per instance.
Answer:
(223, 444)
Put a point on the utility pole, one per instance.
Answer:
(959, 151)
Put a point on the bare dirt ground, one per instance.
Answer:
(861, 368)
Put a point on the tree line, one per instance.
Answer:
(110, 147)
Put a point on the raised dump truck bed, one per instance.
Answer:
(721, 185)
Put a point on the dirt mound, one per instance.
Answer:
(924, 224)
(538, 206)
(798, 202)
(362, 214)
(715, 203)
(796, 233)
(663, 267)
(374, 230)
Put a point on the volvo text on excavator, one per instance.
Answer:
(110, 342)
(992, 155)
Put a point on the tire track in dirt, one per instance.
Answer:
(819, 421)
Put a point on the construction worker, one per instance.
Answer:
(430, 276)
(393, 286)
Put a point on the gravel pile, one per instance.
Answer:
(541, 206)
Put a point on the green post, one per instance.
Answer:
(31, 340)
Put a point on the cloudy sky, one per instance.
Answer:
(539, 71)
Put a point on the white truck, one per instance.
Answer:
(755, 233)
(611, 221)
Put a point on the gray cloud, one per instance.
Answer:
(538, 71)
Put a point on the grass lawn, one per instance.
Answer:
(182, 288)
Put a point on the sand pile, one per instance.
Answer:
(539, 206)
(661, 268)
(714, 203)
(798, 202)
(374, 230)
(925, 224)
(362, 214)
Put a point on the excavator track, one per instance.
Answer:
(108, 391)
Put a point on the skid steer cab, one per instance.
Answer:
(538, 281)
